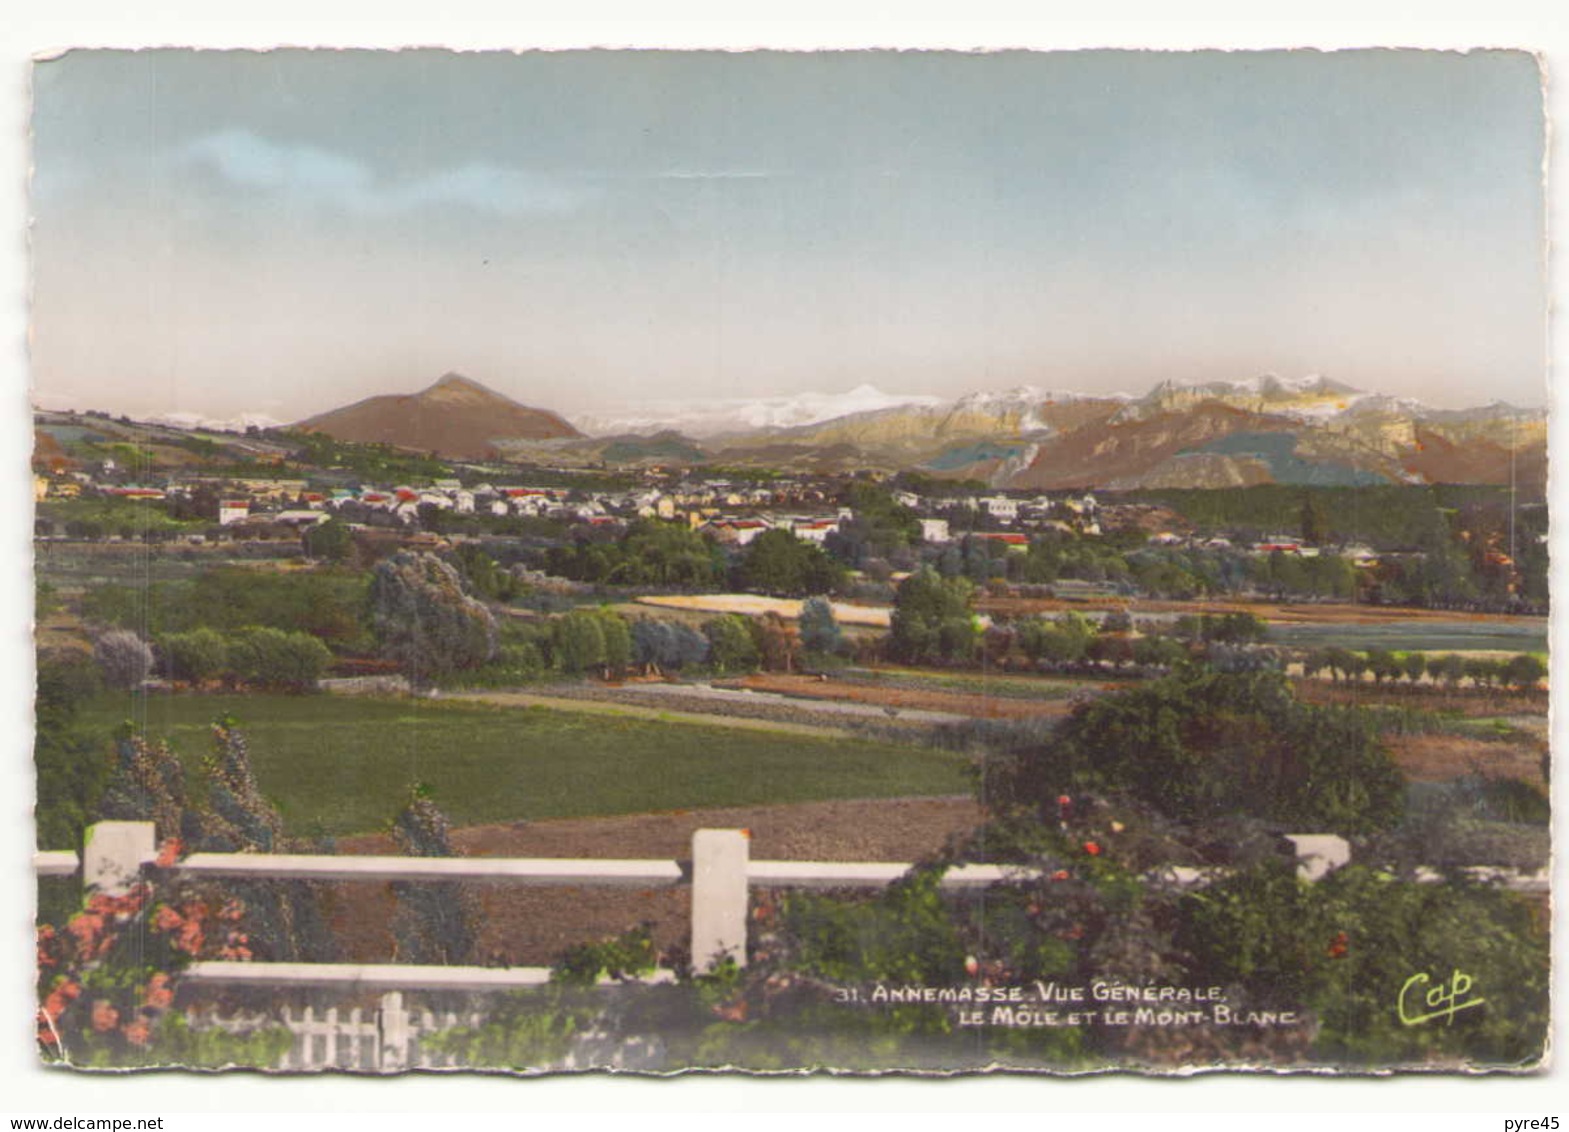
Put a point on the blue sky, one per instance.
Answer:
(284, 232)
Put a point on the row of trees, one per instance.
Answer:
(1523, 672)
(261, 656)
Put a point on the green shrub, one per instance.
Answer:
(1201, 745)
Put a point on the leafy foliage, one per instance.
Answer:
(71, 768)
(651, 553)
(1344, 947)
(818, 626)
(931, 619)
(327, 603)
(197, 657)
(776, 562)
(124, 658)
(435, 921)
(730, 644)
(1201, 745)
(273, 658)
(424, 620)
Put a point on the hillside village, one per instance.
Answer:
(204, 509)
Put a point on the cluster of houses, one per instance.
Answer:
(733, 514)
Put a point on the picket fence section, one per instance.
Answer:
(388, 1039)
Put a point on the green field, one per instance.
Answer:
(343, 765)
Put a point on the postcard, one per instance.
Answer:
(850, 562)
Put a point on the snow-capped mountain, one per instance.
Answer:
(722, 415)
(198, 422)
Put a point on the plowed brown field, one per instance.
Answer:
(531, 926)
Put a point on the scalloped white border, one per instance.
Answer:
(32, 28)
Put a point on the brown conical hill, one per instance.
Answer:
(456, 417)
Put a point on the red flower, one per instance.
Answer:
(1092, 848)
(138, 1033)
(159, 994)
(166, 919)
(1339, 946)
(190, 937)
(1060, 874)
(169, 852)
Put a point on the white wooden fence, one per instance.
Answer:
(389, 1038)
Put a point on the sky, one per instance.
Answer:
(285, 232)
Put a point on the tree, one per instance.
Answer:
(435, 921)
(730, 645)
(1061, 642)
(196, 657)
(819, 628)
(425, 621)
(579, 642)
(272, 658)
(618, 640)
(1523, 672)
(485, 576)
(931, 619)
(146, 783)
(1450, 668)
(667, 644)
(1383, 665)
(124, 658)
(777, 641)
(1202, 745)
(1483, 671)
(1316, 661)
(776, 562)
(331, 541)
(1314, 522)
(1414, 664)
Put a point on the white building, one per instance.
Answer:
(999, 506)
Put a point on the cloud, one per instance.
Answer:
(250, 162)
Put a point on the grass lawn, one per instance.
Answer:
(976, 683)
(343, 765)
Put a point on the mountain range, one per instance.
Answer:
(1204, 435)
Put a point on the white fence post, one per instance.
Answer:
(719, 867)
(114, 852)
(392, 1025)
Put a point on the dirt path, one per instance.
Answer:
(659, 715)
(972, 704)
(526, 925)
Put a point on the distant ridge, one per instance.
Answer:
(456, 417)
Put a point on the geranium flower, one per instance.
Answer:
(138, 1032)
(1092, 848)
(159, 995)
